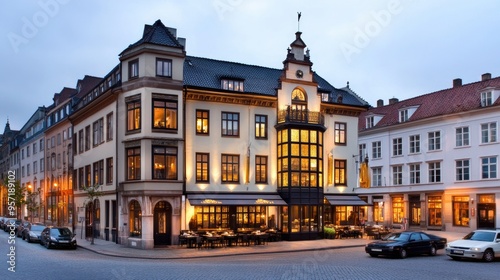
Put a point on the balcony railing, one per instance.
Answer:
(299, 116)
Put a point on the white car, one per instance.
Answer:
(479, 244)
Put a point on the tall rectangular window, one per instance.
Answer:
(260, 126)
(488, 132)
(397, 175)
(230, 168)
(460, 211)
(435, 208)
(164, 163)
(376, 149)
(81, 180)
(462, 169)
(134, 163)
(370, 122)
(398, 207)
(488, 167)
(434, 139)
(434, 172)
(202, 121)
(109, 127)
(109, 171)
(462, 136)
(80, 141)
(340, 172)
(414, 144)
(397, 146)
(133, 69)
(98, 172)
(340, 133)
(414, 173)
(403, 115)
(87, 137)
(230, 124)
(98, 132)
(88, 176)
(202, 167)
(164, 67)
(486, 99)
(376, 176)
(134, 115)
(261, 169)
(165, 114)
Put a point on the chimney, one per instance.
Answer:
(393, 101)
(485, 77)
(457, 82)
(380, 103)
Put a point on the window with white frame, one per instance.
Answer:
(462, 169)
(403, 115)
(414, 173)
(234, 85)
(397, 175)
(489, 167)
(163, 67)
(376, 176)
(486, 98)
(397, 146)
(434, 140)
(376, 149)
(370, 122)
(414, 144)
(434, 172)
(462, 136)
(488, 132)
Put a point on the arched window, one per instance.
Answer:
(135, 219)
(299, 99)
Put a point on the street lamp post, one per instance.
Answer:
(30, 191)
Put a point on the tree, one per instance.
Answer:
(93, 193)
(32, 203)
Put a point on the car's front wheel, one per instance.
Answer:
(47, 244)
(373, 255)
(403, 253)
(433, 251)
(488, 255)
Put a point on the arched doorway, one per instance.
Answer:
(162, 223)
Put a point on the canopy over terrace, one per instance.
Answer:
(236, 199)
(345, 200)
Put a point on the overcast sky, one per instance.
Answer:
(384, 48)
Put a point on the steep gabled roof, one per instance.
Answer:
(156, 34)
(444, 102)
(207, 73)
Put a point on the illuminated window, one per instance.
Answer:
(340, 133)
(397, 209)
(234, 85)
(134, 163)
(134, 115)
(461, 211)
(202, 121)
(165, 114)
(435, 207)
(135, 219)
(202, 167)
(230, 168)
(340, 172)
(164, 163)
(261, 126)
(261, 169)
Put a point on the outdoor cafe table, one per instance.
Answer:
(231, 238)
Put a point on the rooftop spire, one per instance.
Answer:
(299, 14)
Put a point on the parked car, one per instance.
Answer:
(20, 228)
(479, 244)
(2, 222)
(402, 244)
(58, 237)
(9, 223)
(32, 232)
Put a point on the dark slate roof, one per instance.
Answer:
(444, 102)
(157, 34)
(207, 73)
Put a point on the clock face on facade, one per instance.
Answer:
(299, 74)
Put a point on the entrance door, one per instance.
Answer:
(162, 223)
(414, 211)
(486, 215)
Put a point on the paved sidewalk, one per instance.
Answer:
(109, 248)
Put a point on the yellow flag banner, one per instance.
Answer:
(364, 175)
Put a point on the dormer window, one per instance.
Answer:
(370, 122)
(233, 85)
(403, 115)
(486, 98)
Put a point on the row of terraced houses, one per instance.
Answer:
(178, 142)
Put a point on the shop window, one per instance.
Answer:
(461, 211)
(211, 217)
(397, 210)
(135, 219)
(435, 207)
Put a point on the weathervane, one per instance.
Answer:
(299, 14)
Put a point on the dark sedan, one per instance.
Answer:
(402, 244)
(32, 232)
(57, 237)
